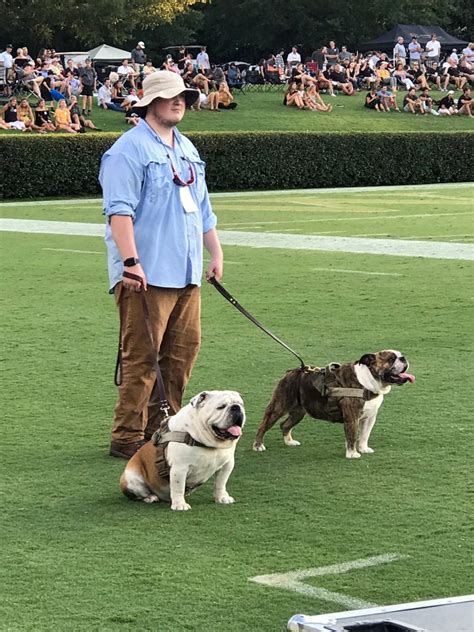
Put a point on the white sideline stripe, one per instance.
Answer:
(403, 187)
(82, 252)
(357, 272)
(293, 580)
(394, 247)
(341, 219)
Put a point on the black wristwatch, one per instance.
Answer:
(131, 261)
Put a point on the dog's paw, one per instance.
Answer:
(259, 447)
(151, 499)
(224, 500)
(180, 506)
(291, 442)
(366, 450)
(352, 454)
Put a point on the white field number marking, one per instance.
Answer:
(293, 580)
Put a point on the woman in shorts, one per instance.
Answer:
(62, 119)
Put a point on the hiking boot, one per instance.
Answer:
(125, 450)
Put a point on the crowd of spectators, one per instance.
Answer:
(64, 94)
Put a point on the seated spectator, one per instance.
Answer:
(387, 99)
(74, 85)
(382, 75)
(62, 119)
(43, 117)
(169, 64)
(419, 76)
(447, 106)
(132, 116)
(340, 79)
(372, 101)
(127, 74)
(25, 115)
(467, 70)
(117, 93)
(218, 76)
(234, 80)
(20, 60)
(31, 78)
(465, 102)
(104, 97)
(299, 75)
(433, 74)
(148, 68)
(72, 68)
(208, 101)
(314, 100)
(78, 118)
(10, 116)
(353, 73)
(292, 96)
(324, 82)
(427, 102)
(453, 75)
(411, 102)
(366, 75)
(403, 77)
(226, 100)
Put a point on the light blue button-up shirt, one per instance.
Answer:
(136, 175)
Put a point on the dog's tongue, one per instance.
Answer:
(235, 431)
(408, 377)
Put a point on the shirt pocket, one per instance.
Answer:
(199, 169)
(158, 179)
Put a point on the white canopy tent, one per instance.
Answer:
(100, 54)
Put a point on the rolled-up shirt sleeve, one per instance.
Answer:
(121, 179)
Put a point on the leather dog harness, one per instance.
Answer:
(325, 382)
(160, 440)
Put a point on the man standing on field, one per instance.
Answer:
(158, 217)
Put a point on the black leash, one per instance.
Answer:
(213, 281)
(164, 404)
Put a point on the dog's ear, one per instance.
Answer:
(367, 359)
(198, 399)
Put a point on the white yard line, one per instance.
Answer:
(410, 187)
(357, 272)
(394, 247)
(81, 252)
(293, 580)
(340, 219)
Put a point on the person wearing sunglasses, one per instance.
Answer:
(159, 216)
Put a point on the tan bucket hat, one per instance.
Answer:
(165, 84)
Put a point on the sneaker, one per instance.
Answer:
(125, 450)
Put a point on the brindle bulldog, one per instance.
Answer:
(350, 393)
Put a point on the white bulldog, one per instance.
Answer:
(189, 448)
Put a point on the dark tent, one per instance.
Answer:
(387, 41)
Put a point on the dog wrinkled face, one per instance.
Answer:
(224, 413)
(389, 366)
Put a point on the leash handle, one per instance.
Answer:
(213, 281)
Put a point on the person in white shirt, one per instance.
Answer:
(468, 53)
(293, 58)
(454, 56)
(399, 51)
(202, 60)
(104, 97)
(7, 59)
(433, 48)
(126, 73)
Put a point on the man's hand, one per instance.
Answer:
(215, 268)
(131, 284)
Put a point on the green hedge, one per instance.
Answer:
(57, 165)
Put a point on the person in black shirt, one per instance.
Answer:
(465, 102)
(418, 75)
(446, 105)
(411, 103)
(433, 74)
(338, 76)
(372, 101)
(79, 118)
(43, 118)
(454, 76)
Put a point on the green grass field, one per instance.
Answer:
(77, 555)
(264, 111)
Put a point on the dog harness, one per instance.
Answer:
(160, 440)
(325, 381)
